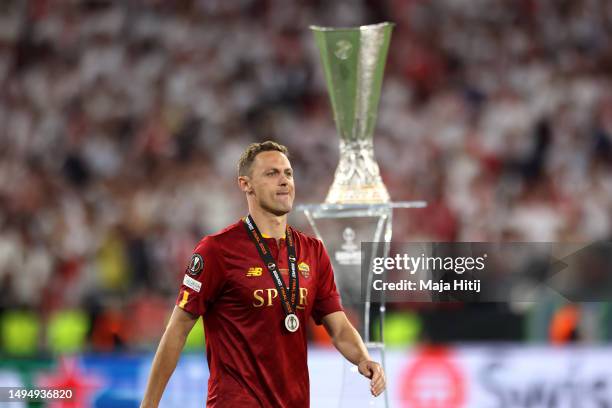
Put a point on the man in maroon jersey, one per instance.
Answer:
(256, 283)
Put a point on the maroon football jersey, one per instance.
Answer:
(254, 361)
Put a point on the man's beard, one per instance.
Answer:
(278, 212)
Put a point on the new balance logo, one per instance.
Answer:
(254, 271)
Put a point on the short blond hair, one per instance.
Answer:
(248, 157)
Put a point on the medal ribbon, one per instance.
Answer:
(288, 296)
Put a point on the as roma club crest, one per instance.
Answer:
(196, 265)
(304, 269)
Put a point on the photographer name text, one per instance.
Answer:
(428, 285)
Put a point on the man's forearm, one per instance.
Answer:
(163, 366)
(349, 344)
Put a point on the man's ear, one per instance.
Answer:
(245, 184)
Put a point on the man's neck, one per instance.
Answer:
(269, 225)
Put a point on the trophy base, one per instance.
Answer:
(373, 194)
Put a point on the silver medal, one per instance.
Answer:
(292, 323)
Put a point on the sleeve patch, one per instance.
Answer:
(192, 283)
(196, 265)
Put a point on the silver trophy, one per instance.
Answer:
(357, 208)
(354, 63)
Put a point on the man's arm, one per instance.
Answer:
(348, 342)
(167, 355)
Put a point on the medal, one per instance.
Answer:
(287, 295)
(292, 323)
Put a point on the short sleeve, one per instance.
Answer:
(327, 299)
(203, 279)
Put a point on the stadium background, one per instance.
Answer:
(120, 127)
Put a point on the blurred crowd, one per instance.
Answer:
(121, 123)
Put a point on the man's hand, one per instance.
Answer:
(374, 372)
(349, 343)
(167, 355)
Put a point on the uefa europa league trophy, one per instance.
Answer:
(354, 62)
(357, 208)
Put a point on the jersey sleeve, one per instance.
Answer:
(203, 279)
(327, 299)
